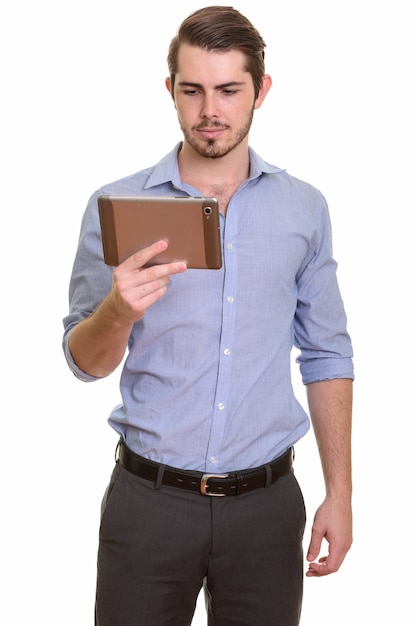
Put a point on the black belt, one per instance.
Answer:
(230, 484)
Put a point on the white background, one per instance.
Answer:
(83, 103)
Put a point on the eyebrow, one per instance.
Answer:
(233, 83)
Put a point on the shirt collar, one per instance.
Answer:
(167, 170)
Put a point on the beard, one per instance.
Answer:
(217, 148)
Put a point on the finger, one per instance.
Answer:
(320, 568)
(335, 558)
(163, 271)
(315, 545)
(327, 564)
(137, 285)
(131, 274)
(134, 295)
(142, 257)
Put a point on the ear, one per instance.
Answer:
(264, 89)
(168, 85)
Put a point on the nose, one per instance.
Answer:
(209, 106)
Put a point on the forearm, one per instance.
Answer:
(98, 343)
(330, 406)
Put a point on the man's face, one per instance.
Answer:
(215, 99)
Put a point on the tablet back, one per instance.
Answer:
(190, 225)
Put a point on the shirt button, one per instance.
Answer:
(229, 246)
(212, 459)
(221, 406)
(230, 299)
(227, 352)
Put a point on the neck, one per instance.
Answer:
(201, 171)
(218, 178)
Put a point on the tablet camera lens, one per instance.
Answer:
(207, 210)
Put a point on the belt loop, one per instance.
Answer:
(160, 474)
(240, 480)
(117, 450)
(268, 475)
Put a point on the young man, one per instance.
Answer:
(207, 403)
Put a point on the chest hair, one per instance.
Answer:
(223, 194)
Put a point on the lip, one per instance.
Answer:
(210, 133)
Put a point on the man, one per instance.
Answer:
(206, 385)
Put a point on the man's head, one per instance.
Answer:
(219, 28)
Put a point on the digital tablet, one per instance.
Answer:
(190, 225)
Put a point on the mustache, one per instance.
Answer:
(207, 124)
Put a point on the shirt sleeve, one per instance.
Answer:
(90, 281)
(320, 321)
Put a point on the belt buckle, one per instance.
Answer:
(204, 484)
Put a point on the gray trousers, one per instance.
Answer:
(158, 547)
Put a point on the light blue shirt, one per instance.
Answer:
(206, 384)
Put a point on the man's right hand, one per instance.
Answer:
(136, 288)
(98, 343)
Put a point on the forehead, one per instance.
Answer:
(195, 64)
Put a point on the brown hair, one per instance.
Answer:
(220, 28)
